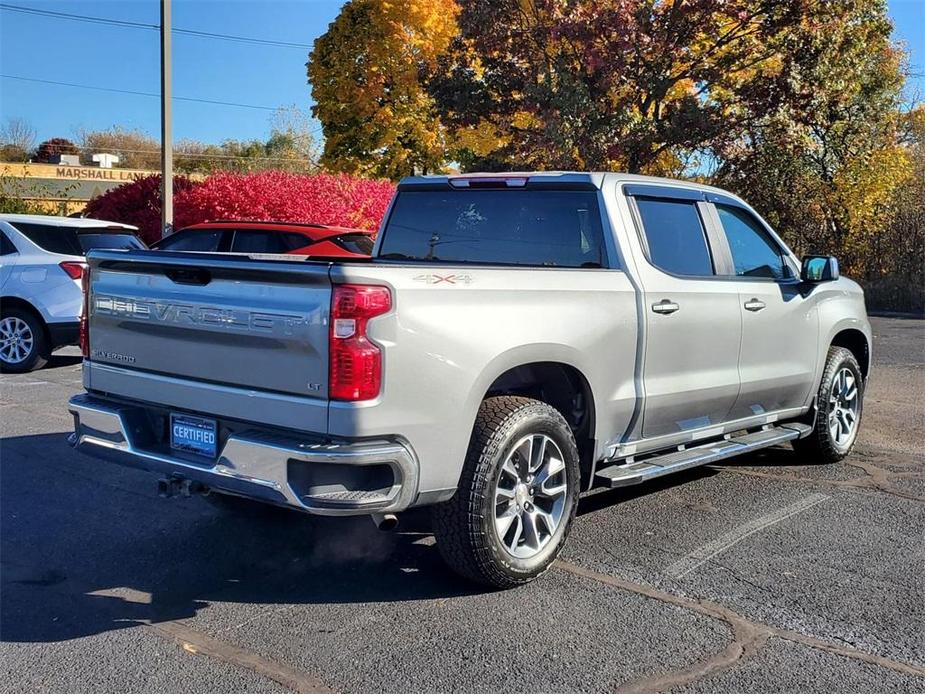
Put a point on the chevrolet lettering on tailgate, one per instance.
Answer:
(193, 314)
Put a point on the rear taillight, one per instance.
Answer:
(356, 362)
(85, 312)
(73, 268)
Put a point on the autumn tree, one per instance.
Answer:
(825, 165)
(49, 149)
(610, 84)
(368, 74)
(135, 149)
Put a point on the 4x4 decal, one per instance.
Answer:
(444, 279)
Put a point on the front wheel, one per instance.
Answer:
(517, 494)
(838, 409)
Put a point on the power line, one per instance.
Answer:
(180, 154)
(315, 130)
(136, 93)
(81, 18)
(139, 25)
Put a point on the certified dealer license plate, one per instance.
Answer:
(193, 434)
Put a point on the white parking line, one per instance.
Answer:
(706, 552)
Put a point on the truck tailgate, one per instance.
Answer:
(250, 328)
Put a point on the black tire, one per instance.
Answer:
(465, 525)
(39, 349)
(821, 445)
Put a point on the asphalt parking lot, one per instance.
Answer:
(770, 574)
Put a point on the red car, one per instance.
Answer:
(271, 237)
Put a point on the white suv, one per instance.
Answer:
(41, 260)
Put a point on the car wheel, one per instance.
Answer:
(838, 409)
(517, 494)
(23, 344)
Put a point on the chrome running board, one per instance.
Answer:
(635, 472)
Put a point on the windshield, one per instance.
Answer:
(547, 228)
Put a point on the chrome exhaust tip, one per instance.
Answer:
(385, 522)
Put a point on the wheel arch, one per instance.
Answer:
(855, 342)
(561, 385)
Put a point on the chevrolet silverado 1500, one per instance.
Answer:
(514, 341)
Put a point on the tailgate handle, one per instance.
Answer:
(196, 276)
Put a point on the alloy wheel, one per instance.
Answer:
(844, 405)
(16, 340)
(530, 495)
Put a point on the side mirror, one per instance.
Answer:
(819, 268)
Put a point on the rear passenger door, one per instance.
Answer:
(780, 332)
(693, 321)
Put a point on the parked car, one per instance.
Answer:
(515, 340)
(41, 260)
(271, 237)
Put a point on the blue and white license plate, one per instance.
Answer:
(193, 434)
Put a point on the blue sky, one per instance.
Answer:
(270, 76)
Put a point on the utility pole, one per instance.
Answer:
(166, 124)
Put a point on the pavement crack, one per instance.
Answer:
(149, 614)
(199, 643)
(748, 637)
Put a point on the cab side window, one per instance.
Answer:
(675, 236)
(754, 252)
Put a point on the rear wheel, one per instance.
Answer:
(838, 409)
(23, 345)
(517, 494)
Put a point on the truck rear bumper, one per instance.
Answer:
(342, 479)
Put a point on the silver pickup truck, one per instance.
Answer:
(514, 341)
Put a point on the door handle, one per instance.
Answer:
(754, 305)
(665, 306)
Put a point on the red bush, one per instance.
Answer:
(138, 203)
(266, 196)
(340, 200)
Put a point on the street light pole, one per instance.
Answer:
(166, 124)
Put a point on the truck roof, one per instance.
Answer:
(541, 179)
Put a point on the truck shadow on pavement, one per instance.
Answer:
(87, 547)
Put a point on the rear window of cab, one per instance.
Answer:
(538, 228)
